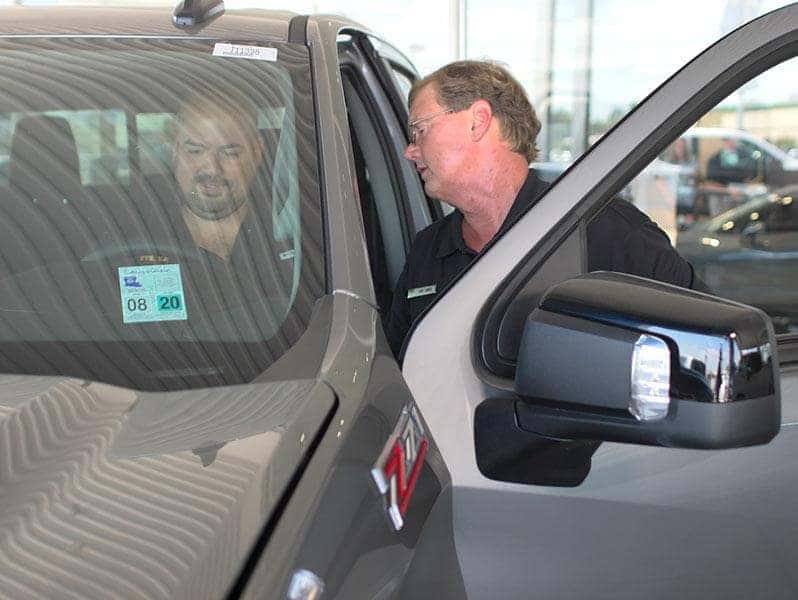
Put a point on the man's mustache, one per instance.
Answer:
(208, 178)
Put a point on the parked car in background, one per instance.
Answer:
(750, 253)
(176, 427)
(752, 158)
(704, 172)
(722, 168)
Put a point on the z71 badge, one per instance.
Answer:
(399, 465)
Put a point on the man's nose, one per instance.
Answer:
(411, 152)
(212, 162)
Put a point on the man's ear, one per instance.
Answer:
(260, 149)
(481, 118)
(172, 133)
(261, 145)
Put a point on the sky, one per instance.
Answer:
(636, 48)
(637, 44)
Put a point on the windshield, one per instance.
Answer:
(159, 207)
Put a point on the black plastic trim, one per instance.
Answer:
(397, 103)
(325, 224)
(376, 63)
(736, 424)
(505, 452)
(298, 30)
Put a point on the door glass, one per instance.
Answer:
(379, 197)
(724, 193)
(403, 82)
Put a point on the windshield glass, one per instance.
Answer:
(159, 207)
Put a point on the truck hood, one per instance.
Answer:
(111, 492)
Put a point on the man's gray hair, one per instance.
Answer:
(459, 84)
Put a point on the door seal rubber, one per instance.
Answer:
(298, 30)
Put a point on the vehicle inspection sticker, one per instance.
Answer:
(249, 52)
(152, 293)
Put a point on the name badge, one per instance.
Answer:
(422, 291)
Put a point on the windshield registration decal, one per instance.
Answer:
(248, 52)
(152, 293)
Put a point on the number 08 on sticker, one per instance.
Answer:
(152, 293)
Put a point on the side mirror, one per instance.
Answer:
(613, 357)
(609, 356)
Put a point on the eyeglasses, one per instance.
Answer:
(415, 132)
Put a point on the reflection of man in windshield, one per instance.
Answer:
(223, 220)
(216, 156)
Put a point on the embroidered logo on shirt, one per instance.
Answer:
(422, 291)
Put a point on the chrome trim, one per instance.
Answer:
(351, 294)
(305, 585)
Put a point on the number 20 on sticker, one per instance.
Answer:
(172, 302)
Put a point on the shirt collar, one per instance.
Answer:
(528, 195)
(452, 240)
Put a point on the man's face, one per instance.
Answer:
(215, 158)
(440, 147)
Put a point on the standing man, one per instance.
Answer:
(472, 137)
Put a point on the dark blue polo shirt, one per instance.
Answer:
(621, 238)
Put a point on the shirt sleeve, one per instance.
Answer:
(649, 253)
(625, 240)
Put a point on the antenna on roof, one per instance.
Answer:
(190, 14)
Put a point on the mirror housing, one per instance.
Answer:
(614, 357)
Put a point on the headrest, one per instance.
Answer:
(44, 158)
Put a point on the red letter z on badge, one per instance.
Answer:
(399, 465)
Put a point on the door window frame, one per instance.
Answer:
(489, 323)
